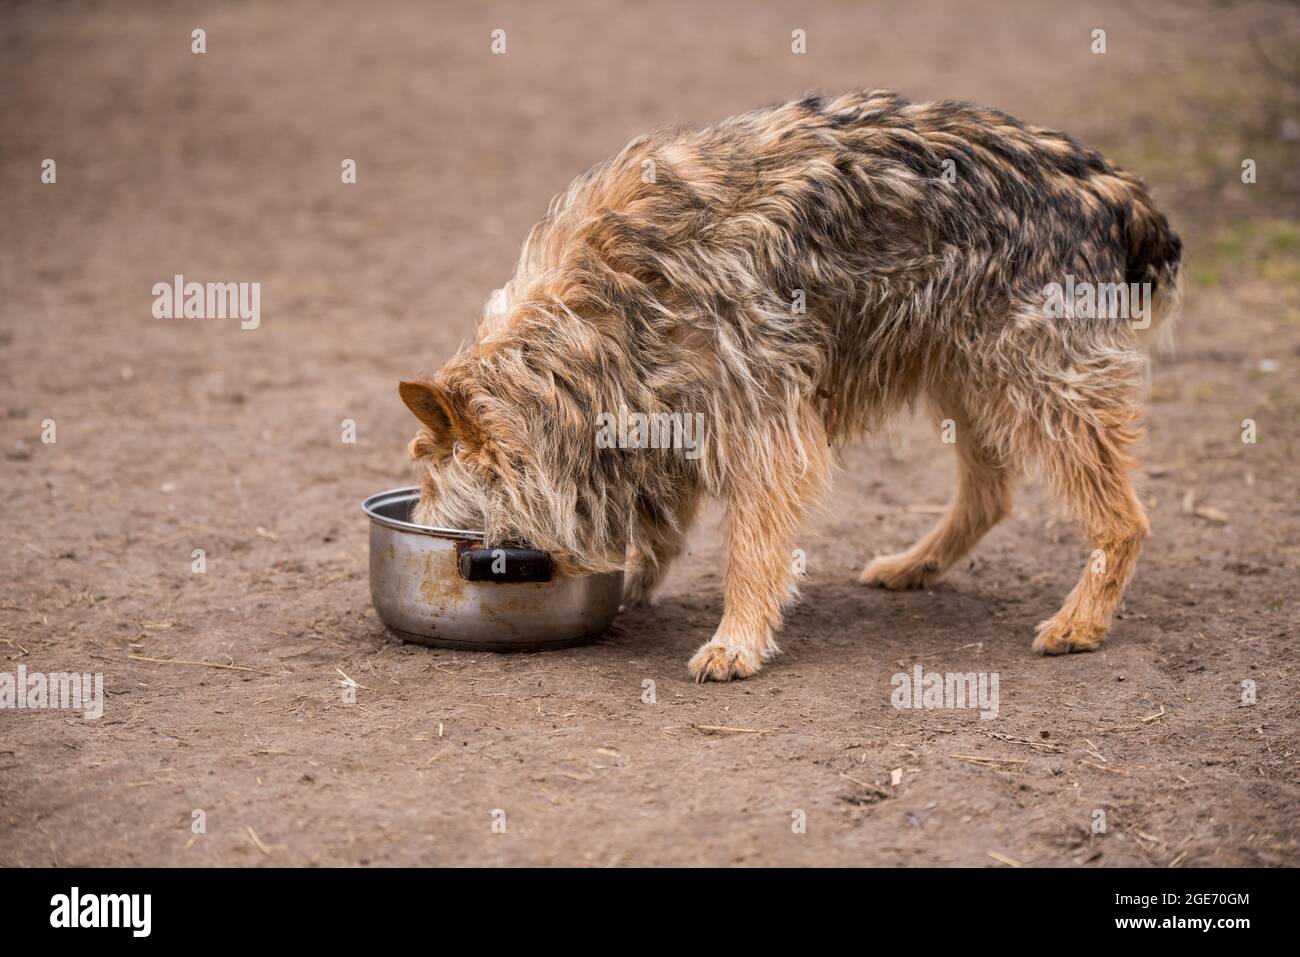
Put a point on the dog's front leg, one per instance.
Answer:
(765, 507)
(758, 580)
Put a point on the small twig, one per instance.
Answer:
(199, 664)
(1094, 752)
(722, 729)
(991, 762)
(902, 662)
(1036, 745)
(1003, 859)
(258, 841)
(350, 681)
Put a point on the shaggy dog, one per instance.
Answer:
(796, 275)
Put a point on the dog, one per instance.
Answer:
(796, 275)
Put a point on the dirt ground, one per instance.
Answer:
(174, 436)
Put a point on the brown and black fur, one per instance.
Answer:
(663, 281)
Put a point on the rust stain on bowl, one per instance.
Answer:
(441, 586)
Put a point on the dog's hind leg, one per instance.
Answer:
(1087, 462)
(772, 481)
(983, 499)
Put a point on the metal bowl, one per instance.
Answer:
(442, 587)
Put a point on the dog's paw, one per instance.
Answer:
(897, 572)
(725, 658)
(1060, 635)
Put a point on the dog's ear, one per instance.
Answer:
(445, 425)
(430, 405)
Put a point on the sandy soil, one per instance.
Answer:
(174, 436)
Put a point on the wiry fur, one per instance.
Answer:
(673, 293)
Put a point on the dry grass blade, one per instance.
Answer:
(988, 762)
(1036, 745)
(200, 664)
(723, 729)
(350, 680)
(258, 841)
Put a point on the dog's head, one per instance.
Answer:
(456, 479)
(505, 460)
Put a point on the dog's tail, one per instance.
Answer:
(1154, 256)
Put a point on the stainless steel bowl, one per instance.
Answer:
(441, 587)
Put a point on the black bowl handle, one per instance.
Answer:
(505, 565)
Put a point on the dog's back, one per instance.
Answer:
(939, 178)
(860, 239)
